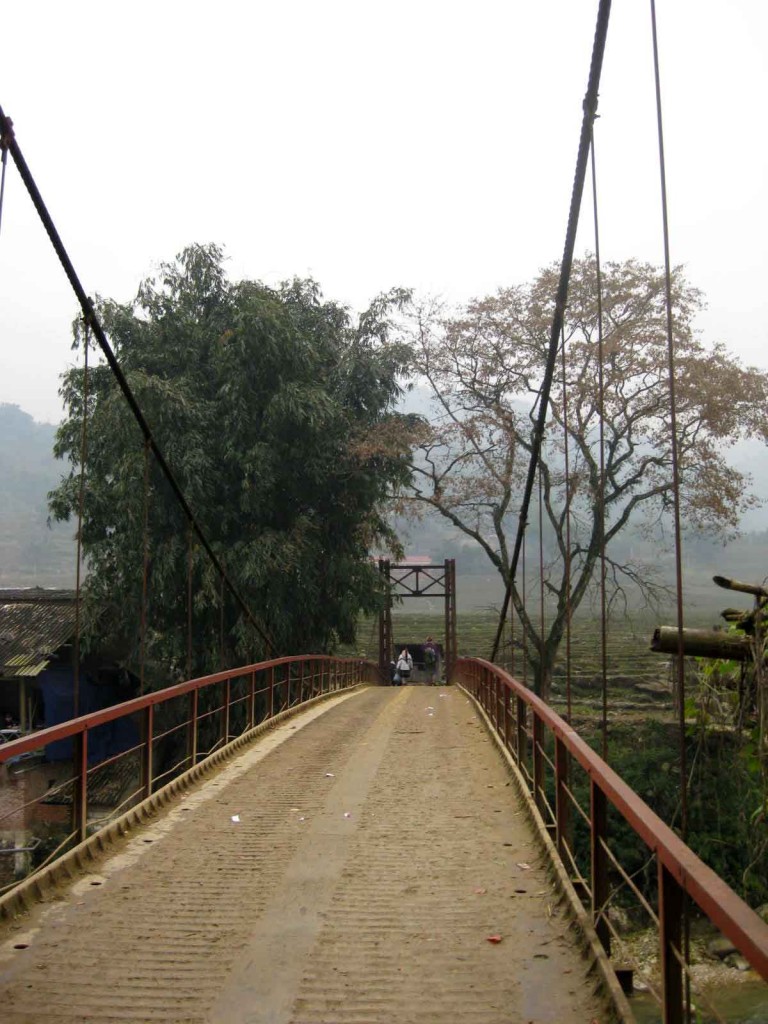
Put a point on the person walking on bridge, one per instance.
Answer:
(430, 660)
(404, 665)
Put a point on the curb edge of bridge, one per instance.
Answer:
(80, 858)
(593, 947)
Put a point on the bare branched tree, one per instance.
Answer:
(484, 366)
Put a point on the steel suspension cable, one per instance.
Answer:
(222, 598)
(601, 462)
(589, 114)
(190, 556)
(80, 516)
(567, 565)
(673, 438)
(673, 431)
(523, 619)
(144, 572)
(4, 142)
(676, 499)
(512, 638)
(89, 314)
(542, 617)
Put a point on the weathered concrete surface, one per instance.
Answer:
(379, 846)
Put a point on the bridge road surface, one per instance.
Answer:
(379, 845)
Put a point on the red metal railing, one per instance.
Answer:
(546, 751)
(173, 729)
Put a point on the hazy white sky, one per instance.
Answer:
(425, 144)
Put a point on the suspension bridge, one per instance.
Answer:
(302, 842)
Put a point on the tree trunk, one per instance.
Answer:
(702, 643)
(543, 670)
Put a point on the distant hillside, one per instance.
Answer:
(479, 585)
(31, 552)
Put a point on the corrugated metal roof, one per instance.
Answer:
(35, 595)
(34, 623)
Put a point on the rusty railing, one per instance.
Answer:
(161, 735)
(548, 754)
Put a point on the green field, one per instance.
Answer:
(629, 661)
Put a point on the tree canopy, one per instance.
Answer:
(484, 365)
(274, 409)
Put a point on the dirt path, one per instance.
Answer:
(377, 850)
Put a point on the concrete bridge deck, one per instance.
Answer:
(379, 846)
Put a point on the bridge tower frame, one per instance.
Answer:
(401, 581)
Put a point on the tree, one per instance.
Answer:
(274, 410)
(484, 366)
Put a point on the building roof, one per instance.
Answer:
(35, 595)
(34, 623)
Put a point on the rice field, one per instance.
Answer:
(629, 658)
(637, 679)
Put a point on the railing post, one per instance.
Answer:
(227, 699)
(149, 719)
(507, 715)
(522, 733)
(252, 702)
(562, 803)
(301, 681)
(80, 796)
(539, 795)
(670, 937)
(192, 736)
(599, 858)
(271, 691)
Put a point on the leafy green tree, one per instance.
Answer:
(485, 364)
(275, 411)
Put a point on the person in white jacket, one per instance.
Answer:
(404, 665)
